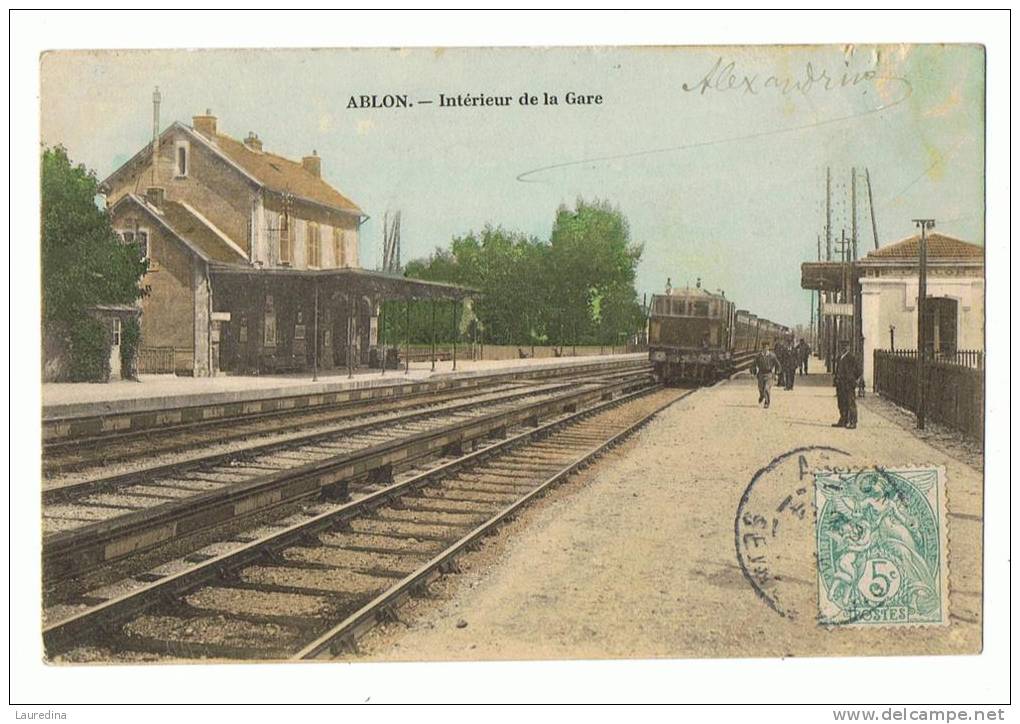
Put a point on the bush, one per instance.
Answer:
(90, 351)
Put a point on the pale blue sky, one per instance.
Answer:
(725, 185)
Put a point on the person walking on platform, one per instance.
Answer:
(846, 375)
(791, 365)
(779, 354)
(804, 350)
(787, 360)
(763, 367)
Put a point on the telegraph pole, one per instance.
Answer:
(871, 206)
(817, 341)
(829, 320)
(853, 213)
(922, 294)
(156, 99)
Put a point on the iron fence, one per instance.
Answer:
(972, 358)
(157, 360)
(954, 390)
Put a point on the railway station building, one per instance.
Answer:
(253, 258)
(883, 289)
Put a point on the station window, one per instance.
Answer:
(182, 159)
(138, 238)
(338, 248)
(115, 331)
(286, 239)
(142, 242)
(313, 248)
(700, 309)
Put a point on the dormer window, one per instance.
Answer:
(182, 159)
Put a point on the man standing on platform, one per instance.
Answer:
(787, 355)
(804, 351)
(763, 367)
(846, 376)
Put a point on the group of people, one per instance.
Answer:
(792, 357)
(784, 363)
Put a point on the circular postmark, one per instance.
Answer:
(775, 530)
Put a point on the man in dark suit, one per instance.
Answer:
(804, 353)
(785, 353)
(846, 375)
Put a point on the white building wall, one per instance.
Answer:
(892, 301)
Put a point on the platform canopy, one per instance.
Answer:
(362, 281)
(826, 276)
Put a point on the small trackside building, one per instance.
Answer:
(882, 290)
(955, 312)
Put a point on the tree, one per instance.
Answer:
(576, 288)
(501, 265)
(84, 262)
(595, 264)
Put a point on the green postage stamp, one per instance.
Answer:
(882, 546)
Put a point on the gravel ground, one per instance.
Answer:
(637, 553)
(939, 437)
(258, 603)
(313, 579)
(209, 630)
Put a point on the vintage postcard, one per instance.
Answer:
(430, 354)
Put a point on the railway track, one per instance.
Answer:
(92, 442)
(106, 519)
(309, 588)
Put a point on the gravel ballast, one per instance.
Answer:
(635, 557)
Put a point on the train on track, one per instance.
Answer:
(696, 336)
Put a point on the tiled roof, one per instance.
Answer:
(940, 246)
(283, 175)
(195, 230)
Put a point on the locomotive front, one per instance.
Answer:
(690, 336)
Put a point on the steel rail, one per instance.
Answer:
(70, 552)
(59, 432)
(347, 631)
(176, 438)
(72, 492)
(62, 635)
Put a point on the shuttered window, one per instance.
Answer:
(313, 248)
(286, 239)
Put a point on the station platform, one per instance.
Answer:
(637, 557)
(167, 392)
